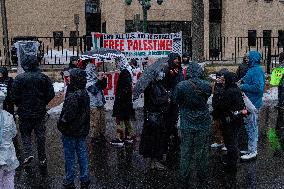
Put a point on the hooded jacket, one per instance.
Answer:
(191, 96)
(123, 105)
(95, 86)
(6, 85)
(171, 80)
(32, 90)
(74, 119)
(254, 80)
(231, 99)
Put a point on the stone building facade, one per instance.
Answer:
(224, 19)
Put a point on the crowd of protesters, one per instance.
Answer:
(174, 94)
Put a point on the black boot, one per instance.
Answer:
(69, 186)
(85, 185)
(43, 168)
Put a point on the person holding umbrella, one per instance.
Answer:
(156, 103)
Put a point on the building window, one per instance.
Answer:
(58, 38)
(104, 27)
(266, 37)
(251, 38)
(92, 6)
(280, 38)
(73, 38)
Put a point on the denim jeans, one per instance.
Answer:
(27, 126)
(251, 124)
(72, 146)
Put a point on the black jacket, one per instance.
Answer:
(6, 83)
(281, 93)
(230, 101)
(32, 90)
(242, 70)
(156, 98)
(171, 80)
(74, 119)
(123, 106)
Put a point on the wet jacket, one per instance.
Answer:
(123, 106)
(171, 80)
(6, 84)
(95, 87)
(32, 90)
(8, 130)
(191, 96)
(74, 120)
(156, 98)
(253, 82)
(231, 100)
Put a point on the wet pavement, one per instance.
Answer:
(124, 168)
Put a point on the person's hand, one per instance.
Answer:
(244, 111)
(239, 83)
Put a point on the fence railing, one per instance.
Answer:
(57, 51)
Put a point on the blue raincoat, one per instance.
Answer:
(253, 82)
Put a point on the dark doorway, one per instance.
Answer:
(93, 16)
(215, 21)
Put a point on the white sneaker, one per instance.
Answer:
(224, 148)
(216, 145)
(244, 152)
(249, 156)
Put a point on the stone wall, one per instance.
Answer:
(41, 17)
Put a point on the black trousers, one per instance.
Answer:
(230, 133)
(27, 126)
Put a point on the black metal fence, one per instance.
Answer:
(58, 50)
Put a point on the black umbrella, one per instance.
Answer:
(149, 74)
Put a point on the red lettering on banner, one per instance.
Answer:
(155, 44)
(169, 45)
(162, 45)
(121, 45)
(111, 44)
(130, 44)
(150, 45)
(135, 45)
(140, 45)
(116, 44)
(109, 84)
(145, 45)
(106, 43)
